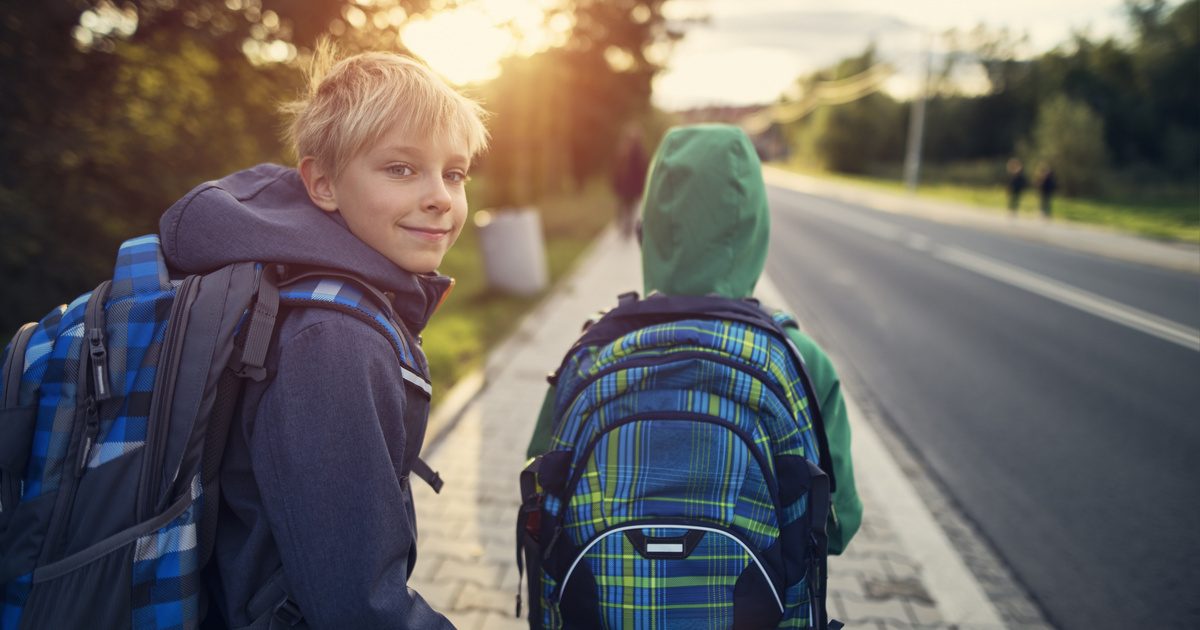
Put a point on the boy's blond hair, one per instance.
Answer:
(350, 104)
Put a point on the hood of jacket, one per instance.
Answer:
(263, 214)
(705, 223)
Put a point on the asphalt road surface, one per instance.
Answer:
(1054, 394)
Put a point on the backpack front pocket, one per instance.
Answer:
(144, 577)
(698, 576)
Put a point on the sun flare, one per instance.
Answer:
(467, 44)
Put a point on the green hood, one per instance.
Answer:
(705, 223)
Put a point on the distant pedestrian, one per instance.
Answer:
(1016, 184)
(1046, 184)
(629, 178)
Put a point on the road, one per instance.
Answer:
(1053, 394)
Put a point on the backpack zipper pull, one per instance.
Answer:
(99, 355)
(91, 429)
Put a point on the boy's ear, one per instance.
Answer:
(319, 184)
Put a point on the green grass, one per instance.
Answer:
(474, 318)
(1166, 220)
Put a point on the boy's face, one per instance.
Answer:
(405, 197)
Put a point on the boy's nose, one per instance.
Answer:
(437, 197)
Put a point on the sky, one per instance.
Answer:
(749, 51)
(752, 50)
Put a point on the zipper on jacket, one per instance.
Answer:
(678, 416)
(755, 557)
(158, 425)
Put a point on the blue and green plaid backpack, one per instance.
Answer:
(113, 416)
(684, 487)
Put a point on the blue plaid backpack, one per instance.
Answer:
(684, 487)
(113, 416)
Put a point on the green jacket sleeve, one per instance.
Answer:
(539, 442)
(846, 513)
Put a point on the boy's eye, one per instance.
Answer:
(400, 170)
(458, 177)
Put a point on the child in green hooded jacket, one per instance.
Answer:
(706, 226)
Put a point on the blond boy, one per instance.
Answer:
(317, 520)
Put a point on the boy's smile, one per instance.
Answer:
(405, 196)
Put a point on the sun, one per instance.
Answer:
(466, 44)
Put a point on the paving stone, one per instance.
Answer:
(511, 580)
(484, 574)
(867, 564)
(908, 589)
(922, 614)
(494, 621)
(860, 609)
(466, 619)
(902, 568)
(472, 597)
(845, 582)
(427, 566)
(440, 595)
(461, 549)
(835, 607)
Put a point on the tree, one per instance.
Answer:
(558, 113)
(113, 111)
(852, 136)
(1069, 136)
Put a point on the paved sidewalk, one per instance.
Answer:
(1078, 236)
(899, 571)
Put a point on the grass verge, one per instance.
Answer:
(475, 318)
(1179, 221)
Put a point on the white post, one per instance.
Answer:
(916, 125)
(514, 253)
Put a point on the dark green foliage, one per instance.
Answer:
(559, 113)
(100, 131)
(1139, 95)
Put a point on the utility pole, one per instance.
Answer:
(916, 124)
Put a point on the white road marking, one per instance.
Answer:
(1099, 306)
(1044, 286)
(919, 242)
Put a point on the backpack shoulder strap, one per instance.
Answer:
(786, 320)
(354, 296)
(16, 423)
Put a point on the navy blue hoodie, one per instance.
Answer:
(314, 478)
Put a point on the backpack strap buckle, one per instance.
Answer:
(259, 328)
